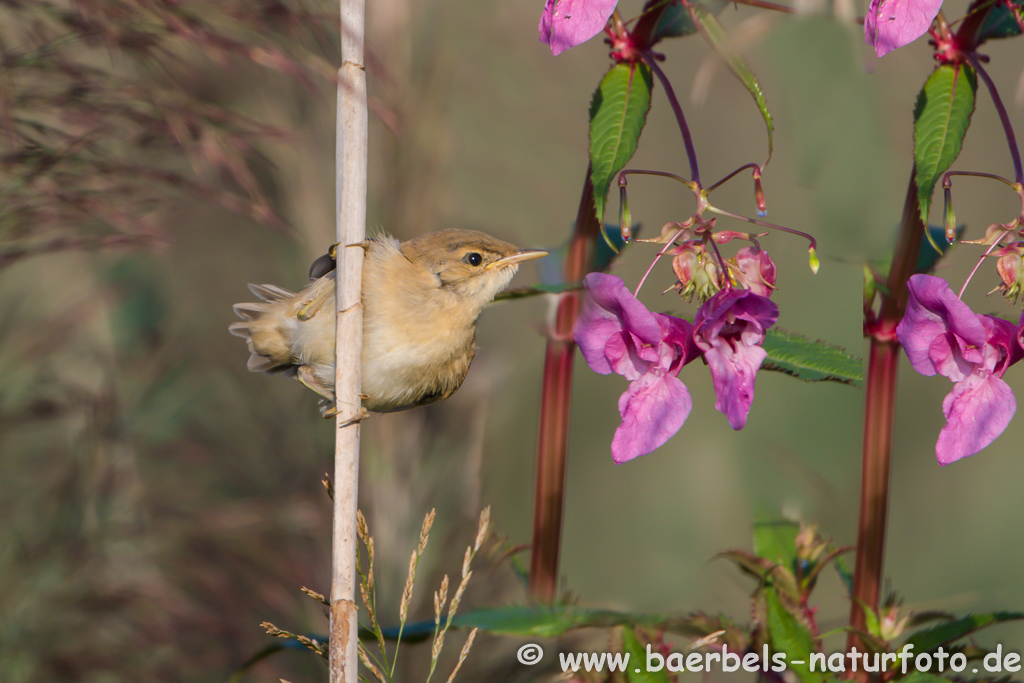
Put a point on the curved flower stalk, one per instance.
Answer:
(941, 335)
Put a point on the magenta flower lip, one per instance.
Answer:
(616, 333)
(942, 335)
(730, 329)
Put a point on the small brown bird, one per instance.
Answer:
(421, 300)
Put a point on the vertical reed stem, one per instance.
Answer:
(350, 188)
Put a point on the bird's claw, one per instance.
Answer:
(328, 410)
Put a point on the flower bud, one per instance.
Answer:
(726, 236)
(949, 215)
(698, 273)
(756, 270)
(890, 626)
(625, 216)
(762, 206)
(1010, 266)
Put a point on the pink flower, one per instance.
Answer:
(616, 333)
(567, 23)
(890, 24)
(730, 328)
(941, 335)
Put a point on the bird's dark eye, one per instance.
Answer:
(474, 259)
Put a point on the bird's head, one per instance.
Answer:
(472, 265)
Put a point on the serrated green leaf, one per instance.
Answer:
(812, 361)
(943, 634)
(637, 672)
(747, 561)
(618, 112)
(941, 117)
(1000, 21)
(776, 541)
(787, 635)
(719, 41)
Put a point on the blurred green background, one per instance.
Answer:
(159, 501)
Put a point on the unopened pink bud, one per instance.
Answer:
(1010, 266)
(726, 236)
(762, 206)
(757, 270)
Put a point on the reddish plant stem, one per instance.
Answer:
(553, 431)
(879, 408)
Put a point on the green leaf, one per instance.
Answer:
(758, 567)
(618, 113)
(719, 41)
(845, 575)
(637, 672)
(941, 117)
(1000, 22)
(870, 618)
(554, 620)
(812, 361)
(787, 635)
(776, 541)
(536, 620)
(536, 290)
(675, 20)
(927, 257)
(943, 634)
(916, 676)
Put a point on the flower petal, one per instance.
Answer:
(567, 23)
(890, 24)
(1002, 348)
(733, 372)
(609, 310)
(977, 411)
(730, 328)
(679, 333)
(757, 270)
(653, 409)
(938, 330)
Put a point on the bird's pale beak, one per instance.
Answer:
(521, 255)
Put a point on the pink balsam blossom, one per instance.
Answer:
(730, 329)
(890, 24)
(567, 23)
(941, 335)
(616, 333)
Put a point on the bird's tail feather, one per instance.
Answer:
(261, 331)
